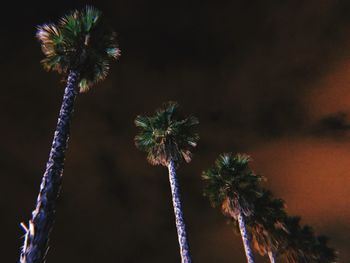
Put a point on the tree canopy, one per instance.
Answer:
(167, 135)
(231, 184)
(80, 41)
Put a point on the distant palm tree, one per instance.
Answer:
(168, 138)
(266, 225)
(302, 246)
(79, 47)
(231, 184)
(297, 244)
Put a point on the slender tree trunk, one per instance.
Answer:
(245, 238)
(272, 257)
(180, 224)
(37, 233)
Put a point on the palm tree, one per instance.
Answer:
(79, 46)
(168, 139)
(231, 184)
(297, 244)
(302, 246)
(266, 225)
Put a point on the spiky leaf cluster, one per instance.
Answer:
(80, 41)
(166, 135)
(231, 184)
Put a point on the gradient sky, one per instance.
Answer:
(269, 78)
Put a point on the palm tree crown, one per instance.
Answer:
(231, 184)
(166, 136)
(80, 41)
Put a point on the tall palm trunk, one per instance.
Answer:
(245, 238)
(37, 234)
(272, 257)
(180, 224)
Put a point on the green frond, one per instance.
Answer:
(90, 18)
(113, 52)
(84, 85)
(166, 135)
(50, 63)
(82, 42)
(143, 122)
(71, 25)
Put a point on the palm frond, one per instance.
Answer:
(80, 41)
(167, 135)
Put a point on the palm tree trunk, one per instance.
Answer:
(180, 224)
(272, 257)
(37, 234)
(245, 238)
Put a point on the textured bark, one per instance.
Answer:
(37, 234)
(245, 238)
(271, 257)
(180, 224)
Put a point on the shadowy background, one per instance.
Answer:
(269, 78)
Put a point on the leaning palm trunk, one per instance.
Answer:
(245, 238)
(37, 234)
(180, 224)
(271, 257)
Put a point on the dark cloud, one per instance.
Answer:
(335, 125)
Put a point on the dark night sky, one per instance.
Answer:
(269, 78)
